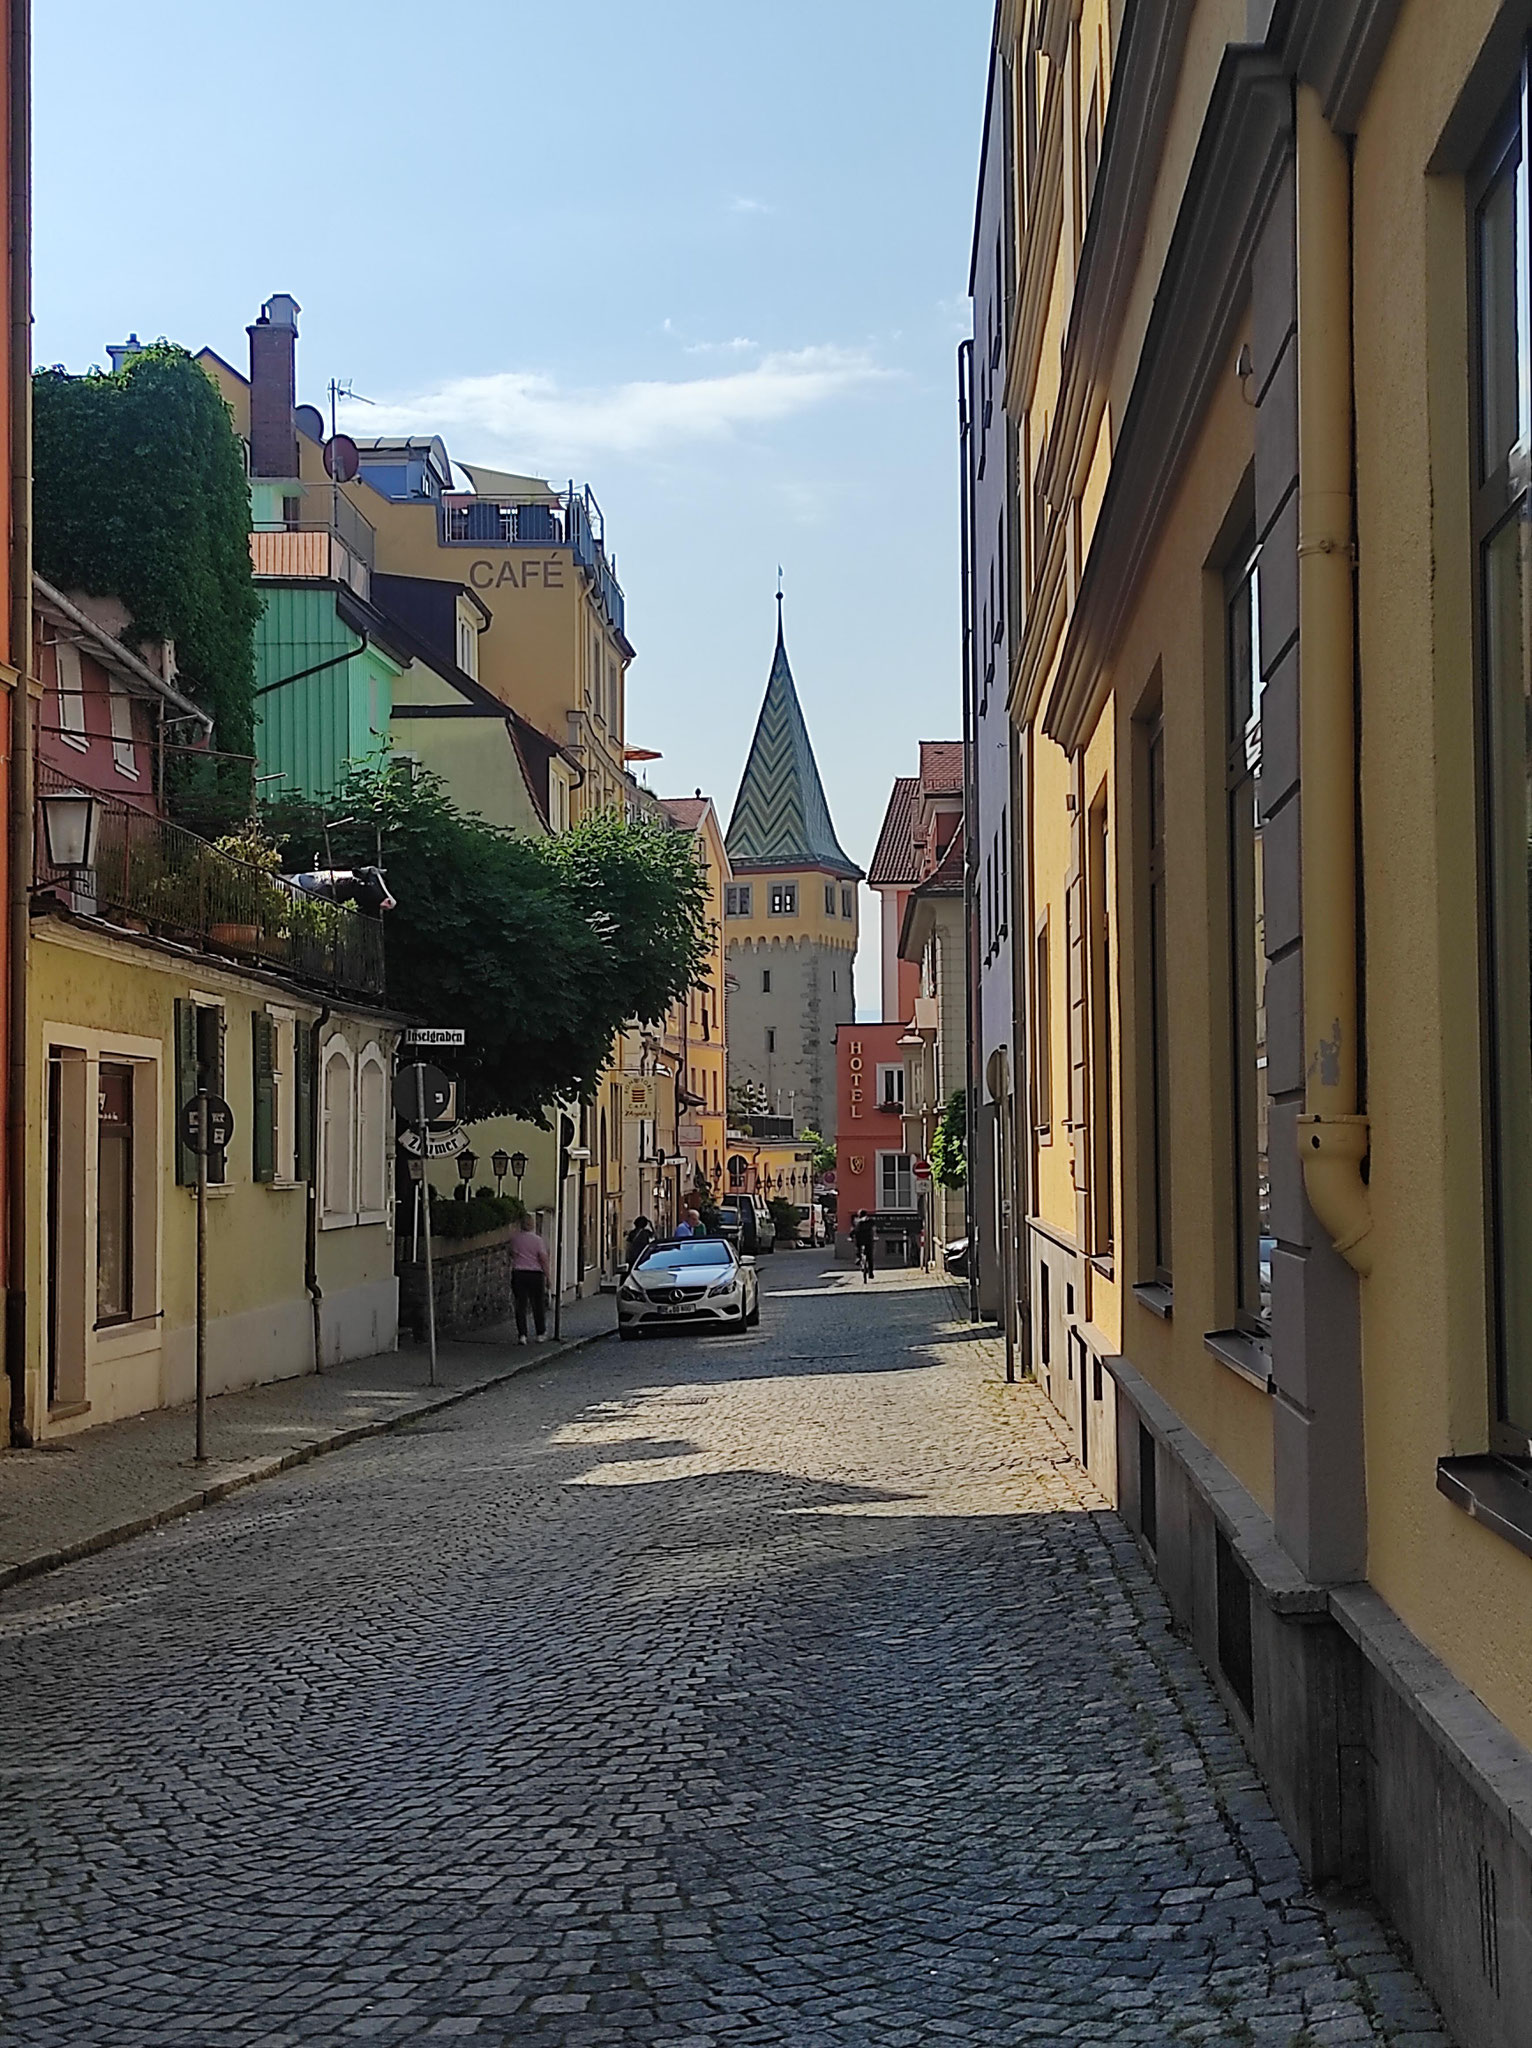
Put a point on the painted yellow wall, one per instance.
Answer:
(812, 920)
(114, 997)
(1424, 1309)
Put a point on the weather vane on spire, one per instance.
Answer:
(779, 591)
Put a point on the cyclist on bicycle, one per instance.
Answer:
(862, 1238)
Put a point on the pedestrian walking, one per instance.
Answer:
(690, 1224)
(640, 1237)
(531, 1270)
(862, 1238)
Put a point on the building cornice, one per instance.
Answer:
(1336, 46)
(1203, 293)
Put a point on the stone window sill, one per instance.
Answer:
(1495, 1491)
(1157, 1298)
(1242, 1355)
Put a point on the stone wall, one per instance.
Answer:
(473, 1285)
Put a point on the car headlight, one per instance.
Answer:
(723, 1287)
(628, 1291)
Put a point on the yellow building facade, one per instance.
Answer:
(1267, 356)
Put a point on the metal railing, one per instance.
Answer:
(157, 877)
(338, 543)
(568, 519)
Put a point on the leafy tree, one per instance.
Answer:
(140, 494)
(540, 949)
(949, 1148)
(824, 1151)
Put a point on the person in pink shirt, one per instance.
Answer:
(531, 1270)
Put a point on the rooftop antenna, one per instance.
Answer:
(338, 390)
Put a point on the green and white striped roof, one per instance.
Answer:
(781, 819)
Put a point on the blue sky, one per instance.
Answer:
(711, 259)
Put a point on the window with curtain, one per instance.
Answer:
(372, 1134)
(337, 1132)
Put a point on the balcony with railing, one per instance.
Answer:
(155, 877)
(335, 543)
(563, 519)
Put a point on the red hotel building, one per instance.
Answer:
(872, 1170)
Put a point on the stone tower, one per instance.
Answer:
(791, 917)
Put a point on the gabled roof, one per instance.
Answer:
(894, 861)
(941, 767)
(781, 818)
(686, 811)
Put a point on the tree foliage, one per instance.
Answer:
(949, 1148)
(140, 494)
(824, 1151)
(541, 950)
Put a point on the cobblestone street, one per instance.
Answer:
(792, 1688)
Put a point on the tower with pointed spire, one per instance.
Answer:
(791, 916)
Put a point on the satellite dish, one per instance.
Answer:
(342, 459)
(309, 421)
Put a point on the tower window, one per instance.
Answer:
(848, 903)
(765, 981)
(784, 899)
(737, 900)
(829, 899)
(771, 1039)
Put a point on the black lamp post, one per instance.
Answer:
(519, 1169)
(467, 1167)
(499, 1166)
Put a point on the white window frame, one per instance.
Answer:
(894, 1168)
(887, 1096)
(782, 899)
(284, 1095)
(372, 1135)
(337, 1118)
(71, 695)
(738, 900)
(467, 643)
(124, 746)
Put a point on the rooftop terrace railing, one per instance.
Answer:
(566, 519)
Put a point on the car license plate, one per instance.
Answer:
(677, 1309)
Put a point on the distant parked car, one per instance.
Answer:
(700, 1280)
(746, 1222)
(811, 1223)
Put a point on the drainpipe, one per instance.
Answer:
(1333, 1134)
(19, 791)
(311, 1216)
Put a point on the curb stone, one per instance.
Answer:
(269, 1468)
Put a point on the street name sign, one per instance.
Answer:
(436, 1035)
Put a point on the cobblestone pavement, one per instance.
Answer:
(788, 1689)
(85, 1490)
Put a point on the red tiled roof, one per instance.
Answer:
(941, 767)
(895, 863)
(687, 811)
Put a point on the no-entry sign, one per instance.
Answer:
(921, 1169)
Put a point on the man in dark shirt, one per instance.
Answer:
(862, 1238)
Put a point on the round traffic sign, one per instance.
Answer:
(921, 1169)
(220, 1124)
(421, 1094)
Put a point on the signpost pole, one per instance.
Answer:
(425, 1196)
(558, 1231)
(202, 1135)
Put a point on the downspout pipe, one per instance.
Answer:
(971, 1077)
(1333, 1133)
(19, 786)
(311, 1210)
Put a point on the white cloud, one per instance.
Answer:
(526, 417)
(738, 345)
(749, 206)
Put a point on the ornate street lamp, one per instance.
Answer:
(500, 1166)
(519, 1170)
(467, 1167)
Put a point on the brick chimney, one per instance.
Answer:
(273, 388)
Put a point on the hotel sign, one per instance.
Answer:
(854, 1068)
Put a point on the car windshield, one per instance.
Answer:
(693, 1251)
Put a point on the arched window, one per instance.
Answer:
(338, 1134)
(372, 1135)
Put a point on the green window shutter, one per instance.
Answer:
(304, 1039)
(263, 1128)
(186, 1088)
